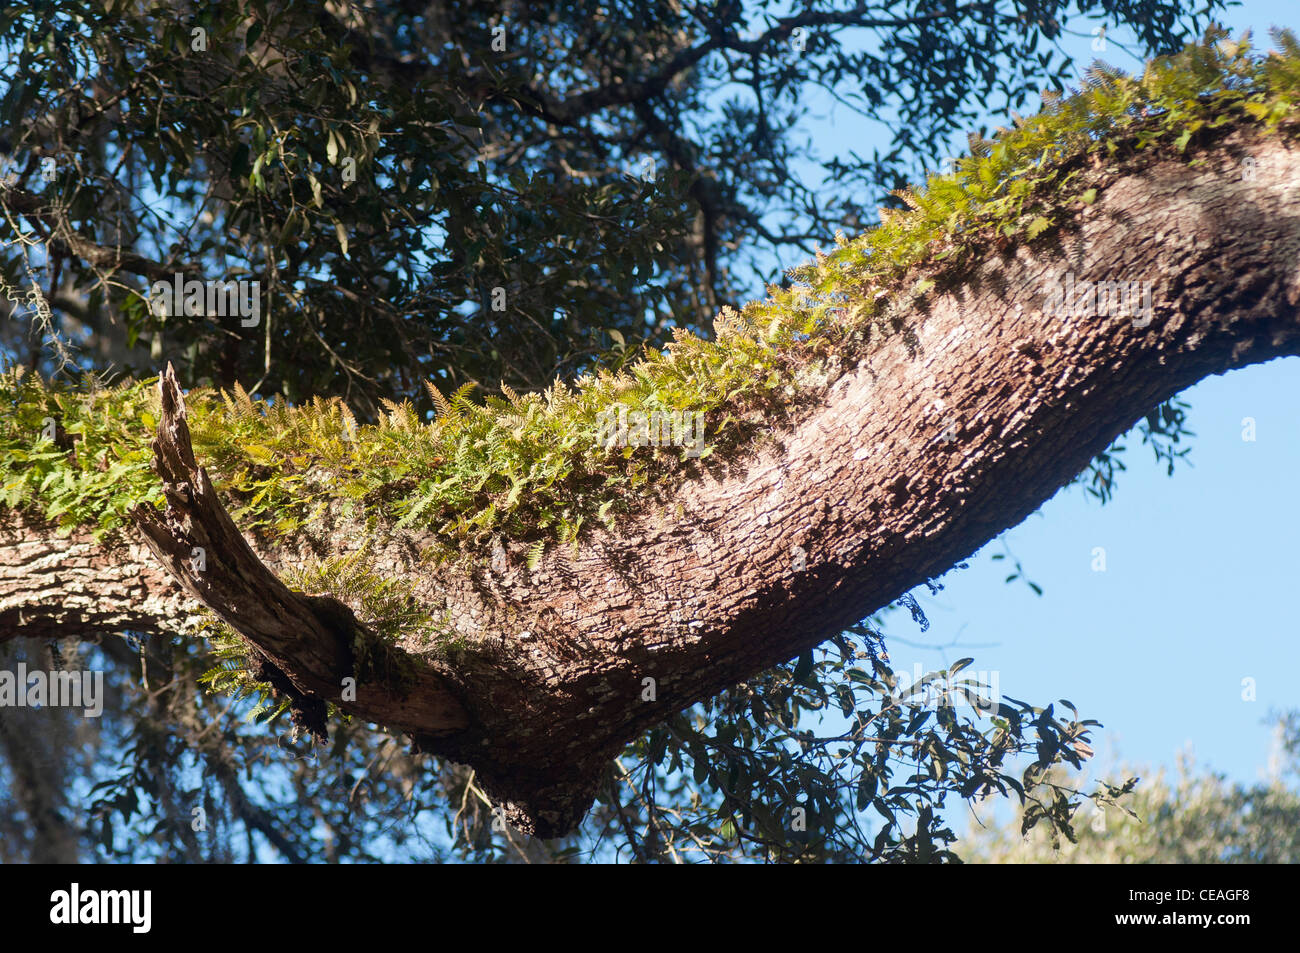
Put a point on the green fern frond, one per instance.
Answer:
(535, 553)
(439, 401)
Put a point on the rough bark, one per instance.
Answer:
(924, 449)
(56, 586)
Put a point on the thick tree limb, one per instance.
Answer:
(54, 586)
(951, 431)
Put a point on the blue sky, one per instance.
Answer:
(1195, 596)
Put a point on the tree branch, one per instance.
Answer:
(64, 239)
(979, 408)
(306, 645)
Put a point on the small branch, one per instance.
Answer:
(302, 645)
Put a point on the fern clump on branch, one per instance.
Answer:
(528, 466)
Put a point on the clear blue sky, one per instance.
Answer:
(1196, 595)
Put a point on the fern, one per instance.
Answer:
(528, 466)
(439, 401)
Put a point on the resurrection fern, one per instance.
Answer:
(231, 675)
(76, 453)
(1017, 185)
(528, 466)
(382, 603)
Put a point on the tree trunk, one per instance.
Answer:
(921, 451)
